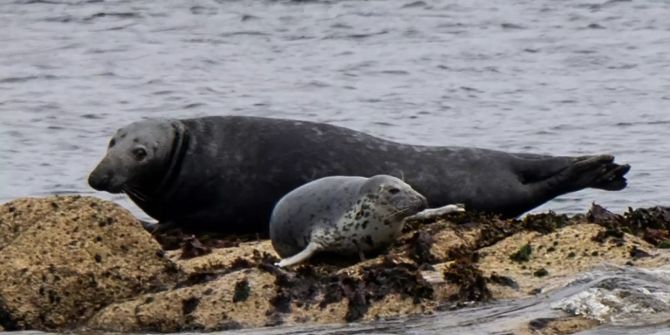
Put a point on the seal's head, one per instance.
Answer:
(393, 198)
(137, 156)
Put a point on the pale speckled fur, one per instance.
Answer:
(371, 221)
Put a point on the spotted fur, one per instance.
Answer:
(346, 215)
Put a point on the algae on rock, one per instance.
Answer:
(65, 257)
(71, 262)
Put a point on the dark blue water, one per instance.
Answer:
(545, 76)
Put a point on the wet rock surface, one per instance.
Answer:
(72, 262)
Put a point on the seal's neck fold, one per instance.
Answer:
(174, 163)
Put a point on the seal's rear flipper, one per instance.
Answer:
(594, 171)
(613, 179)
(299, 257)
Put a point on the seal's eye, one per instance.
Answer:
(112, 142)
(394, 190)
(139, 153)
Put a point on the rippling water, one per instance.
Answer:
(559, 77)
(545, 76)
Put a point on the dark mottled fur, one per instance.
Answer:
(225, 174)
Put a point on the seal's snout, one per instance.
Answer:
(100, 180)
(104, 178)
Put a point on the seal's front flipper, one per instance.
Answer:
(149, 226)
(432, 213)
(299, 257)
(158, 227)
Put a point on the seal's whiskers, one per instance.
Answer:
(398, 212)
(134, 192)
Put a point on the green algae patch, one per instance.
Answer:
(523, 254)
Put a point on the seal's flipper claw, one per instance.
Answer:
(149, 226)
(158, 227)
(458, 207)
(299, 257)
(613, 179)
(361, 255)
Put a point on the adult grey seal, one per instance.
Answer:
(342, 214)
(225, 173)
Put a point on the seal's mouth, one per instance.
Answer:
(103, 185)
(422, 203)
(410, 206)
(115, 189)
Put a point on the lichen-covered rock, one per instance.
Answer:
(73, 261)
(557, 326)
(547, 260)
(228, 259)
(65, 257)
(262, 295)
(236, 300)
(434, 265)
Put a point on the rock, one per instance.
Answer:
(65, 257)
(73, 261)
(557, 256)
(431, 267)
(201, 307)
(621, 300)
(558, 326)
(269, 297)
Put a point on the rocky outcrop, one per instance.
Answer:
(64, 258)
(539, 262)
(557, 326)
(73, 262)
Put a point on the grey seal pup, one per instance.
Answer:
(343, 214)
(225, 173)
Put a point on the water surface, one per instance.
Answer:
(558, 77)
